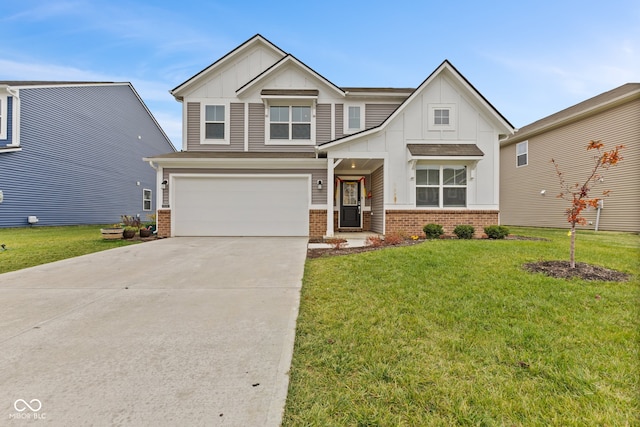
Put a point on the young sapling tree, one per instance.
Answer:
(578, 195)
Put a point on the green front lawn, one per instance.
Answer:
(454, 332)
(26, 247)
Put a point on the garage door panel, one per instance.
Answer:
(241, 206)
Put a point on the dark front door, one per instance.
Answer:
(350, 204)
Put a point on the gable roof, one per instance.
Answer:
(591, 106)
(445, 65)
(288, 59)
(255, 40)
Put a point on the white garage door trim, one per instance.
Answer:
(272, 204)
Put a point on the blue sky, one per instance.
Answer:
(528, 58)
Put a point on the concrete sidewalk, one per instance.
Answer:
(181, 331)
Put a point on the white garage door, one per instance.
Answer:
(232, 205)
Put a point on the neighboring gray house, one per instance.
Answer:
(272, 148)
(71, 153)
(528, 181)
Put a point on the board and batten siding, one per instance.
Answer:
(377, 200)
(81, 159)
(375, 114)
(521, 202)
(318, 197)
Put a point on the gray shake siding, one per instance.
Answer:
(81, 158)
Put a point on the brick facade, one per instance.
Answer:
(412, 221)
(163, 222)
(317, 223)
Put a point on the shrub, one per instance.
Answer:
(464, 231)
(336, 243)
(374, 241)
(433, 231)
(393, 238)
(496, 231)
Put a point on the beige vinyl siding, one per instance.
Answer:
(323, 123)
(520, 200)
(318, 197)
(377, 200)
(257, 134)
(339, 121)
(375, 114)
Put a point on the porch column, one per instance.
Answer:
(330, 196)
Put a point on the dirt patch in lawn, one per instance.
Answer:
(563, 270)
(325, 252)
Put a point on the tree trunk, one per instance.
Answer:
(572, 250)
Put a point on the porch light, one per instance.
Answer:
(353, 165)
(319, 184)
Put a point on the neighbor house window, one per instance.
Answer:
(3, 118)
(522, 153)
(146, 200)
(290, 122)
(214, 122)
(441, 186)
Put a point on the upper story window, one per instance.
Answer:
(353, 118)
(3, 117)
(522, 153)
(441, 117)
(291, 122)
(441, 186)
(214, 122)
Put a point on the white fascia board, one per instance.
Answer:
(357, 155)
(447, 158)
(230, 163)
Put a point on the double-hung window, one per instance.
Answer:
(290, 122)
(146, 200)
(215, 122)
(441, 186)
(522, 153)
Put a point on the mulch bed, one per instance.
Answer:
(563, 270)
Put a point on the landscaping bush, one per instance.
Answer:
(433, 231)
(496, 231)
(464, 231)
(394, 238)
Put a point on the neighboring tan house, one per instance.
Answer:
(272, 148)
(71, 153)
(528, 180)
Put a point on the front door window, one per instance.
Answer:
(350, 194)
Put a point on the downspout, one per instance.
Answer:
(600, 206)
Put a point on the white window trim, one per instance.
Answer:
(452, 117)
(150, 199)
(526, 153)
(441, 186)
(203, 120)
(347, 130)
(3, 116)
(289, 103)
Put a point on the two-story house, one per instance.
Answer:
(71, 153)
(272, 148)
(529, 182)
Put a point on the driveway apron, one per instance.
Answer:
(180, 331)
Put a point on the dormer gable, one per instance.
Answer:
(245, 62)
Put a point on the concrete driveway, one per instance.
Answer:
(181, 331)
